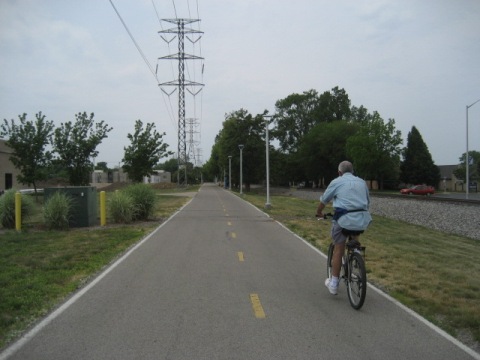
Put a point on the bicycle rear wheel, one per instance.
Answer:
(357, 281)
(329, 261)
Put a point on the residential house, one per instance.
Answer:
(8, 172)
(448, 181)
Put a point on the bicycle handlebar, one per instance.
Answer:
(325, 216)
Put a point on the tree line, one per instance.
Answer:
(41, 152)
(310, 133)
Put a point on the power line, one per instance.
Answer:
(169, 110)
(133, 39)
(156, 12)
(175, 9)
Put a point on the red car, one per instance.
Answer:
(419, 190)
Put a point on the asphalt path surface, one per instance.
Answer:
(221, 280)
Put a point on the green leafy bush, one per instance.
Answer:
(57, 211)
(7, 208)
(121, 207)
(144, 199)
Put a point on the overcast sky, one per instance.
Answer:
(416, 61)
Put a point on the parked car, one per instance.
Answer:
(418, 190)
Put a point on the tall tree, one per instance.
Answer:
(29, 140)
(359, 114)
(334, 105)
(279, 175)
(323, 149)
(144, 152)
(211, 169)
(295, 116)
(418, 166)
(375, 149)
(474, 166)
(76, 143)
(171, 165)
(102, 165)
(241, 128)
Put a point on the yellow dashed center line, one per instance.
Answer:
(241, 257)
(257, 306)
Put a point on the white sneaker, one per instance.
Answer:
(333, 289)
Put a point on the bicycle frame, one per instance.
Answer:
(352, 270)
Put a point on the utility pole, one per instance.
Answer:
(180, 31)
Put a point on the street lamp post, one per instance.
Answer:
(230, 172)
(267, 162)
(467, 160)
(241, 169)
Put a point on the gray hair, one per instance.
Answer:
(345, 166)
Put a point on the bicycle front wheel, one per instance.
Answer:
(357, 281)
(329, 261)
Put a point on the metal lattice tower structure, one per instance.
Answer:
(198, 156)
(180, 31)
(192, 125)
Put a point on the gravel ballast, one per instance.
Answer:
(459, 219)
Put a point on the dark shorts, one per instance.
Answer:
(337, 236)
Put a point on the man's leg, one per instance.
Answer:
(339, 248)
(338, 252)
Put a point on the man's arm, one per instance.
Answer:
(320, 208)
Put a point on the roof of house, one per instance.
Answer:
(446, 171)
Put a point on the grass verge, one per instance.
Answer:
(38, 269)
(434, 273)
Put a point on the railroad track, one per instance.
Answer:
(437, 197)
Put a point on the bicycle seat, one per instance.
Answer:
(353, 244)
(347, 232)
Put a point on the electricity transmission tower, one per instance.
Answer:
(192, 125)
(180, 31)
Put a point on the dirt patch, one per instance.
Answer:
(115, 186)
(122, 185)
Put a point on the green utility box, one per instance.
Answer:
(84, 204)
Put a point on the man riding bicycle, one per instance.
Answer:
(351, 200)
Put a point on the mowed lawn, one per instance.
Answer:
(433, 273)
(39, 269)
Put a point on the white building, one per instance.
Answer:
(160, 176)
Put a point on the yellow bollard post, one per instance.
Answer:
(18, 211)
(103, 209)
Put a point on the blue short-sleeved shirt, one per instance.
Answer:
(349, 192)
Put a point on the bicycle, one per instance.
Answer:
(353, 270)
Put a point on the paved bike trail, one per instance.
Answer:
(221, 280)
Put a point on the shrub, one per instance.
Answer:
(144, 199)
(7, 208)
(57, 211)
(121, 207)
